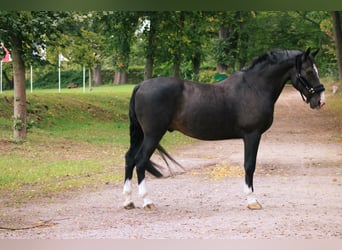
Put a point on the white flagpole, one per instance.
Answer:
(31, 78)
(84, 85)
(89, 75)
(59, 73)
(0, 76)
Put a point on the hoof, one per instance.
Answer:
(129, 206)
(254, 206)
(149, 206)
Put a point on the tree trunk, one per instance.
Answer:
(19, 126)
(97, 75)
(223, 34)
(196, 63)
(120, 77)
(176, 68)
(90, 80)
(338, 40)
(148, 67)
(221, 68)
(177, 57)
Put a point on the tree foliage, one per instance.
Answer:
(24, 33)
(120, 27)
(168, 43)
(337, 31)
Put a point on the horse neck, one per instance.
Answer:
(272, 78)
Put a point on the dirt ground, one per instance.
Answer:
(298, 181)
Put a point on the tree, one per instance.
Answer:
(269, 30)
(23, 32)
(120, 27)
(149, 23)
(196, 31)
(178, 42)
(225, 46)
(173, 39)
(336, 20)
(179, 38)
(87, 46)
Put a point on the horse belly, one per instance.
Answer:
(206, 127)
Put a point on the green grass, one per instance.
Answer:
(75, 141)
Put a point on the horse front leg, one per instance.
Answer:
(251, 142)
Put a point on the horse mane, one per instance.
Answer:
(272, 57)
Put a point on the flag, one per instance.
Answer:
(40, 51)
(62, 58)
(7, 57)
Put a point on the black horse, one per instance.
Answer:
(241, 106)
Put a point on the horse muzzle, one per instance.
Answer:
(318, 101)
(322, 100)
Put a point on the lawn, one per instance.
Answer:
(76, 141)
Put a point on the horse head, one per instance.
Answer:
(306, 79)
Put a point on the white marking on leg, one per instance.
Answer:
(127, 191)
(249, 194)
(247, 190)
(143, 193)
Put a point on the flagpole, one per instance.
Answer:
(0, 76)
(84, 86)
(31, 78)
(59, 73)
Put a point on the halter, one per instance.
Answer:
(307, 85)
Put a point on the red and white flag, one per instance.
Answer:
(7, 57)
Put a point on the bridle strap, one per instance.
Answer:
(306, 84)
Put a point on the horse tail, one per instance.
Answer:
(137, 134)
(135, 130)
(164, 153)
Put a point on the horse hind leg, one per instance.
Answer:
(130, 163)
(127, 189)
(143, 163)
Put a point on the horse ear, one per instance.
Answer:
(315, 53)
(306, 54)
